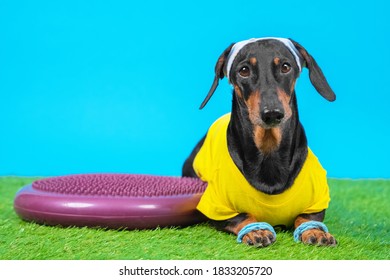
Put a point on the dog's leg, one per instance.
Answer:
(314, 236)
(257, 238)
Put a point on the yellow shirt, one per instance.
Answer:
(228, 193)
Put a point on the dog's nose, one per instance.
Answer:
(272, 117)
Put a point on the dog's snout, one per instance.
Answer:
(272, 117)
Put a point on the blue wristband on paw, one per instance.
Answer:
(306, 226)
(254, 226)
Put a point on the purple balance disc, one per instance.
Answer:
(112, 201)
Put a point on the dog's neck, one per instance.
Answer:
(269, 172)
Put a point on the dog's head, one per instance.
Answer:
(263, 73)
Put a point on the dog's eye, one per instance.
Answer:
(285, 68)
(244, 72)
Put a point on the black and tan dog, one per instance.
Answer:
(260, 171)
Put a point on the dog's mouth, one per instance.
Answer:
(267, 138)
(270, 124)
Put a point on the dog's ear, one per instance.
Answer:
(316, 76)
(219, 74)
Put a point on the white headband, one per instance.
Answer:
(238, 46)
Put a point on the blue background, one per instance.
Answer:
(115, 86)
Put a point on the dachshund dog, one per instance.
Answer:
(260, 172)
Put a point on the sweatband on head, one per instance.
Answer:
(238, 46)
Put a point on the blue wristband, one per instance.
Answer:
(254, 226)
(306, 226)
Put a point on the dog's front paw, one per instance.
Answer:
(318, 237)
(314, 233)
(259, 238)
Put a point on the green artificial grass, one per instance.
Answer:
(359, 217)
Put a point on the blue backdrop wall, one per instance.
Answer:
(115, 86)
